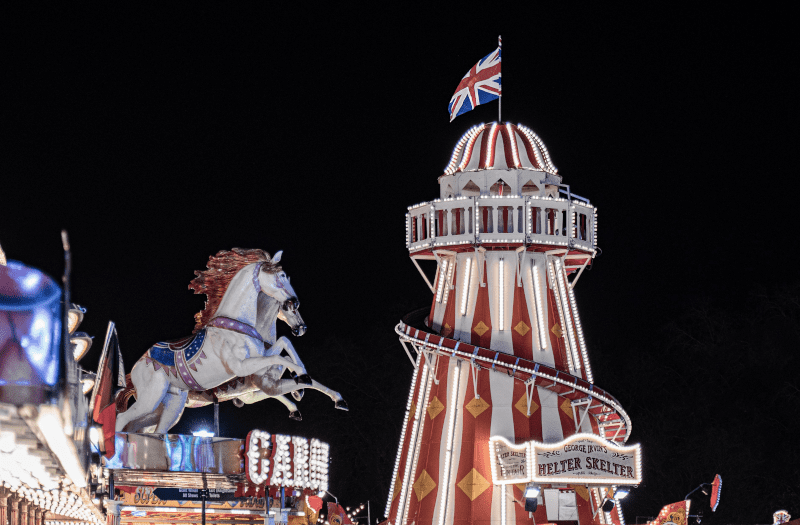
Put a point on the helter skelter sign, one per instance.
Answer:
(581, 458)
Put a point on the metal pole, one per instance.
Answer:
(369, 515)
(203, 499)
(216, 416)
(500, 98)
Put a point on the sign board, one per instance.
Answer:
(181, 494)
(509, 461)
(582, 458)
(286, 461)
(585, 458)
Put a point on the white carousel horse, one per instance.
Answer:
(234, 337)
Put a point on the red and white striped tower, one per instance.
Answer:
(501, 351)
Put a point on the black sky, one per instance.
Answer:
(157, 137)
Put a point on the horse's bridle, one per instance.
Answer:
(234, 325)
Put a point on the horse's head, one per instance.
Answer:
(277, 286)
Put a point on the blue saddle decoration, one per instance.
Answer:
(164, 352)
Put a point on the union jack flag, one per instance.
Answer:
(479, 86)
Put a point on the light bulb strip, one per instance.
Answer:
(539, 305)
(448, 281)
(402, 435)
(410, 459)
(560, 275)
(584, 353)
(559, 307)
(512, 137)
(442, 279)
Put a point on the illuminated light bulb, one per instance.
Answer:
(442, 275)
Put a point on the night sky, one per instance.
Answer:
(158, 137)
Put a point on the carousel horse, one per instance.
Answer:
(234, 337)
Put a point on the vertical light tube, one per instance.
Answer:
(502, 285)
(560, 307)
(503, 504)
(442, 279)
(467, 279)
(539, 305)
(562, 292)
(402, 436)
(417, 440)
(451, 430)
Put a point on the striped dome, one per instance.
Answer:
(500, 147)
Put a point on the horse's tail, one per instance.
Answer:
(121, 400)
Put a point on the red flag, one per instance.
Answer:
(716, 490)
(675, 513)
(337, 515)
(315, 502)
(110, 380)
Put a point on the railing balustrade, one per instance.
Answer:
(501, 219)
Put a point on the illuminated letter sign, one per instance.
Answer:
(286, 461)
(509, 462)
(585, 458)
(582, 458)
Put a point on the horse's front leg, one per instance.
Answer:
(293, 412)
(283, 343)
(240, 366)
(285, 386)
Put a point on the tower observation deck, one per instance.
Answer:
(503, 395)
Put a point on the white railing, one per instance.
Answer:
(501, 219)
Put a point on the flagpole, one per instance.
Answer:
(500, 98)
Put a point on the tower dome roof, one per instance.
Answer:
(500, 146)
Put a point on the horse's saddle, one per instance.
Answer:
(164, 352)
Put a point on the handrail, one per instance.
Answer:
(510, 363)
(423, 231)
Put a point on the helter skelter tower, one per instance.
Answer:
(502, 396)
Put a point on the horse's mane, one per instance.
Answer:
(214, 281)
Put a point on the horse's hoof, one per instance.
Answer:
(295, 415)
(342, 405)
(298, 394)
(304, 379)
(238, 403)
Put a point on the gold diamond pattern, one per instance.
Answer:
(557, 330)
(396, 485)
(481, 329)
(473, 484)
(424, 485)
(522, 406)
(435, 407)
(477, 406)
(566, 406)
(413, 411)
(447, 330)
(581, 491)
(522, 328)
